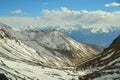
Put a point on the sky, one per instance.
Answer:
(87, 13)
(33, 8)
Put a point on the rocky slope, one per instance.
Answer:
(24, 54)
(48, 47)
(106, 66)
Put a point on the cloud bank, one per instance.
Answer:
(65, 16)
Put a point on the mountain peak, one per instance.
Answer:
(5, 30)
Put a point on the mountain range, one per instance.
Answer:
(48, 48)
(95, 34)
(52, 55)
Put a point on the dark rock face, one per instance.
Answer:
(3, 77)
(116, 43)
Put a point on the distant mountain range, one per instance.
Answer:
(96, 34)
(96, 28)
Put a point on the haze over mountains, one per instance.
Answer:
(93, 35)
(49, 54)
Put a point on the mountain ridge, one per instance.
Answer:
(49, 54)
(24, 53)
(106, 65)
(80, 34)
(50, 45)
(96, 28)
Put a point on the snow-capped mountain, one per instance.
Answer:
(25, 53)
(51, 43)
(105, 66)
(101, 29)
(49, 54)
(96, 28)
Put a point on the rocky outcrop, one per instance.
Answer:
(3, 77)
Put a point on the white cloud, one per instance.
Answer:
(114, 4)
(65, 16)
(18, 11)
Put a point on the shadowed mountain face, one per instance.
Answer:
(116, 43)
(105, 66)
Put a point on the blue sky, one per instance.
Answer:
(34, 7)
